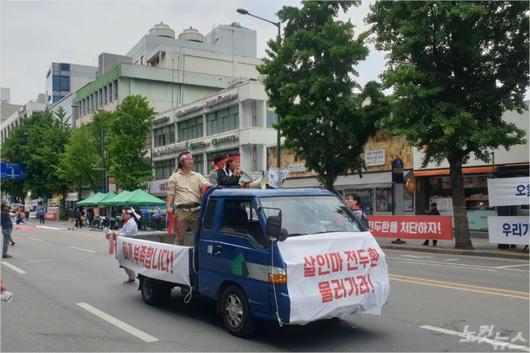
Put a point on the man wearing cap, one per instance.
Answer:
(129, 229)
(184, 190)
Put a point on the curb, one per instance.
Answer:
(484, 253)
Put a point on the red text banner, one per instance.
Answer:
(411, 227)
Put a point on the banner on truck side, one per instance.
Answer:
(166, 262)
(411, 227)
(334, 275)
(509, 191)
(509, 230)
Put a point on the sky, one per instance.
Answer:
(36, 33)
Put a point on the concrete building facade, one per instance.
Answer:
(13, 121)
(233, 120)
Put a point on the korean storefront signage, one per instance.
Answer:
(509, 191)
(509, 230)
(220, 100)
(375, 157)
(225, 139)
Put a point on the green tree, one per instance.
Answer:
(455, 67)
(80, 163)
(310, 82)
(38, 143)
(130, 129)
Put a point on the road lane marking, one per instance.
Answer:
(81, 249)
(479, 339)
(452, 260)
(118, 323)
(416, 256)
(462, 287)
(35, 239)
(41, 260)
(48, 227)
(459, 265)
(509, 266)
(13, 267)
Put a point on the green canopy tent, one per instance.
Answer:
(133, 198)
(96, 199)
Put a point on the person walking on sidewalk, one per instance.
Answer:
(7, 228)
(433, 212)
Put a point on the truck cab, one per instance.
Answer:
(291, 256)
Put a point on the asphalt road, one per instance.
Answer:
(71, 288)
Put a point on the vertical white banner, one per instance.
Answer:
(509, 191)
(509, 230)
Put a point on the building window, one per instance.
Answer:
(164, 169)
(190, 129)
(115, 89)
(272, 118)
(56, 83)
(105, 95)
(110, 93)
(383, 199)
(198, 163)
(65, 67)
(101, 97)
(65, 84)
(222, 120)
(164, 135)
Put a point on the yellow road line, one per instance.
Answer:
(456, 286)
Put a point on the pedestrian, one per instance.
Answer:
(354, 203)
(41, 213)
(19, 215)
(184, 191)
(7, 228)
(90, 216)
(231, 173)
(130, 229)
(433, 212)
(27, 215)
(77, 217)
(218, 163)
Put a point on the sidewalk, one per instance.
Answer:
(480, 241)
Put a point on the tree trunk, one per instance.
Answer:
(329, 184)
(462, 238)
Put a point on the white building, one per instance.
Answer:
(15, 119)
(234, 120)
(6, 108)
(170, 72)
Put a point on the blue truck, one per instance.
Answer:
(292, 256)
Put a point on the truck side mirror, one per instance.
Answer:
(274, 227)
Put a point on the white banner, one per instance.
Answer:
(509, 230)
(509, 191)
(166, 262)
(334, 275)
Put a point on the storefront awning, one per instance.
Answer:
(445, 171)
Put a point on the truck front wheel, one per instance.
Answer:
(154, 292)
(235, 312)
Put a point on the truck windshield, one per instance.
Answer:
(302, 215)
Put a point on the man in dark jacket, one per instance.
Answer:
(7, 228)
(433, 212)
(231, 173)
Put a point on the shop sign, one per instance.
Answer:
(296, 168)
(220, 100)
(375, 157)
(509, 230)
(161, 120)
(173, 148)
(226, 139)
(189, 110)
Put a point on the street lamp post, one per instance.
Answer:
(278, 136)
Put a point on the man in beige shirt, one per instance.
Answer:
(184, 190)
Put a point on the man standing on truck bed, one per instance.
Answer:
(184, 190)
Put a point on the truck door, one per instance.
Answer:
(237, 250)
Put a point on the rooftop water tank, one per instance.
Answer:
(192, 35)
(162, 30)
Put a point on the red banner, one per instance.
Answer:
(50, 216)
(412, 227)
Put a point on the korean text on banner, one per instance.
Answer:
(334, 275)
(509, 191)
(509, 230)
(411, 227)
(161, 261)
